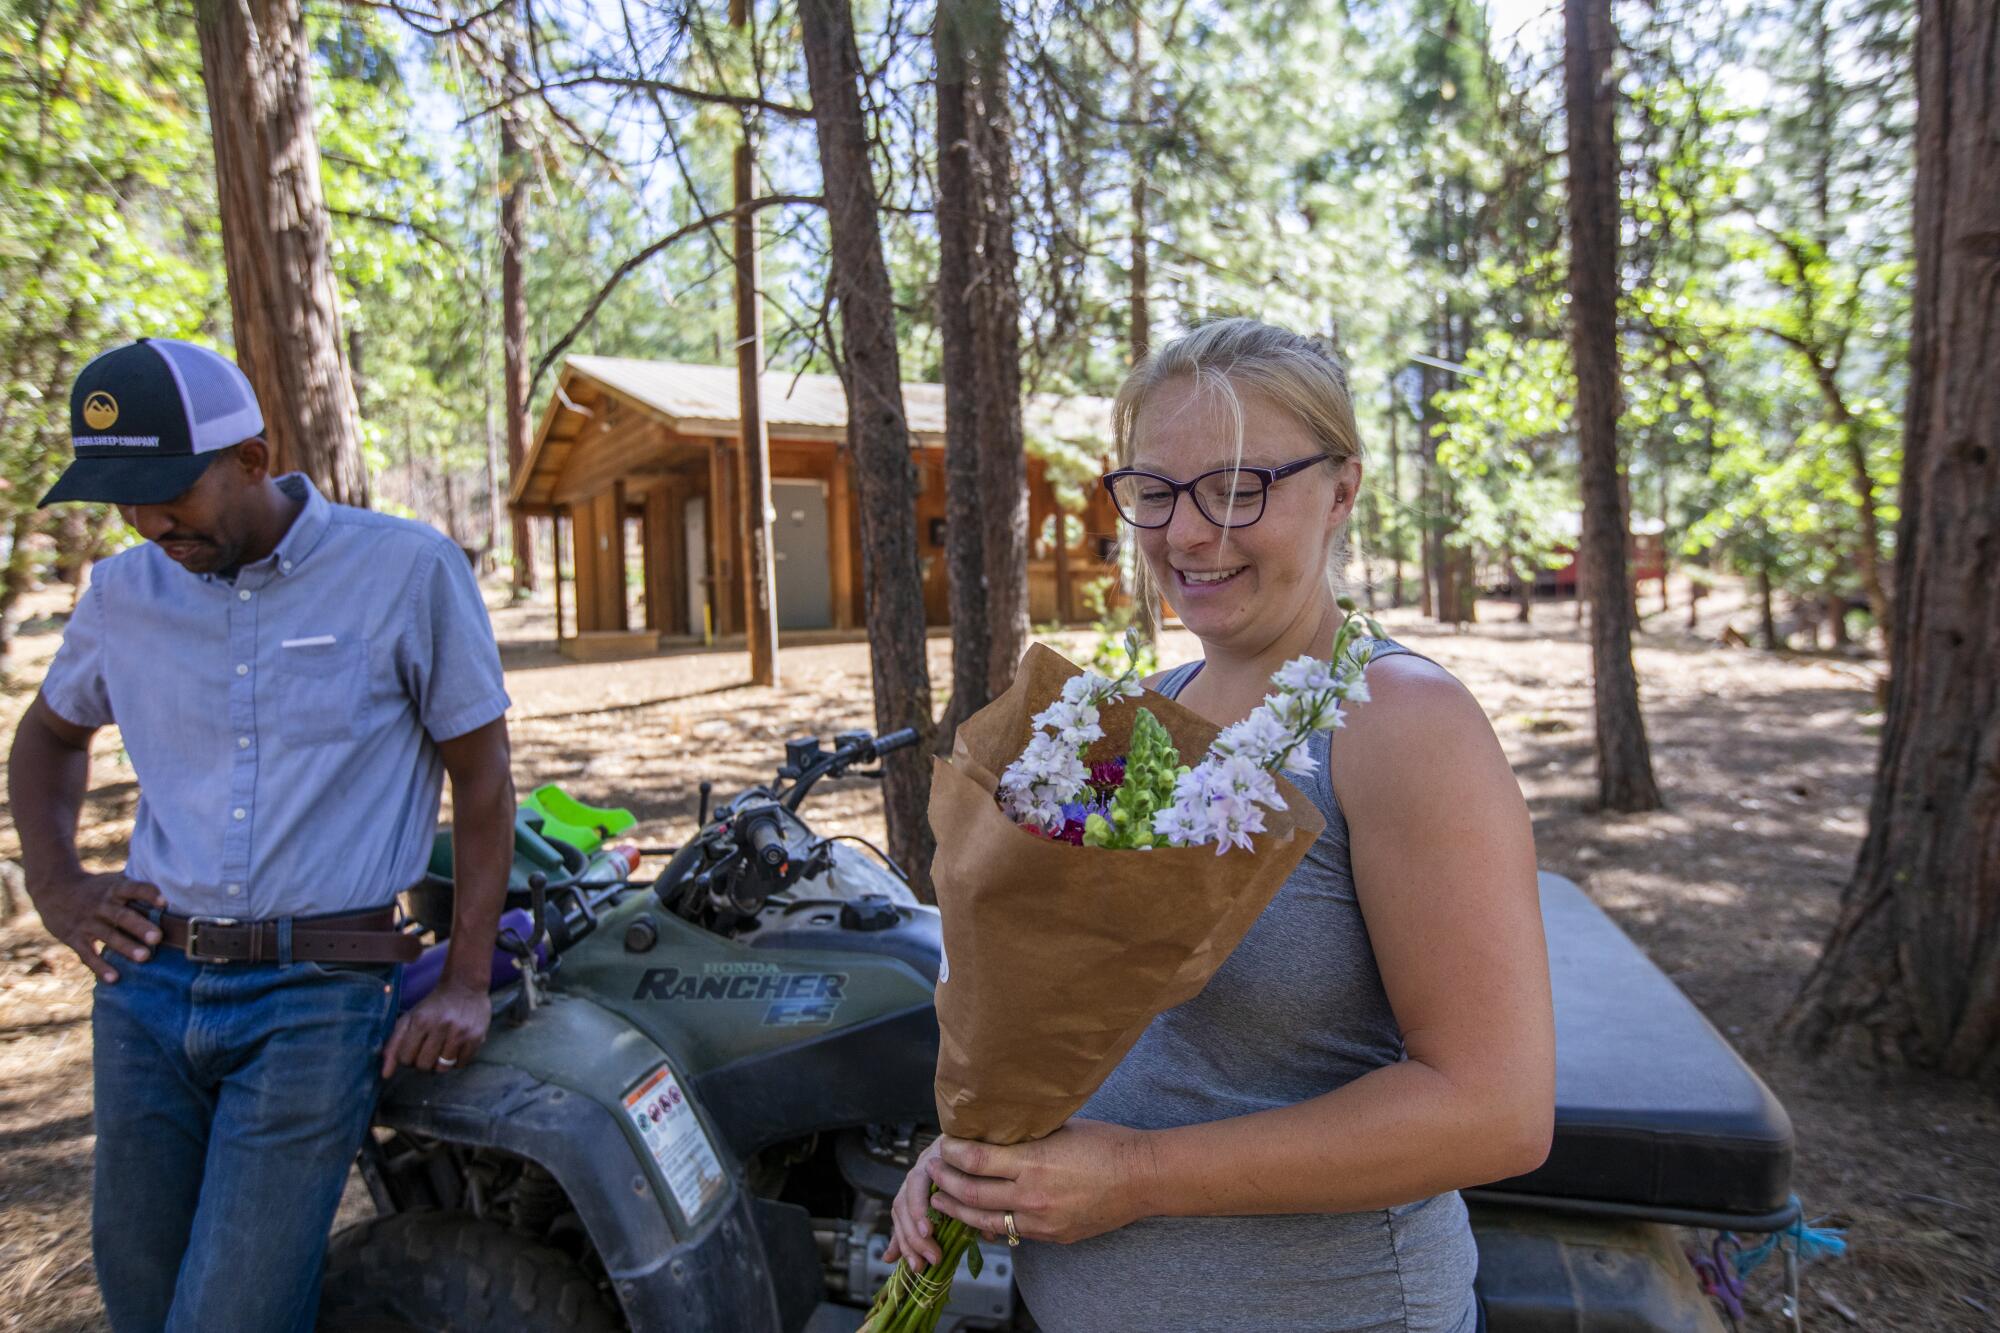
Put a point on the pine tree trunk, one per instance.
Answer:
(877, 431)
(996, 339)
(514, 327)
(1767, 616)
(276, 239)
(490, 427)
(964, 530)
(1139, 311)
(14, 578)
(1914, 960)
(1140, 279)
(1396, 492)
(1624, 762)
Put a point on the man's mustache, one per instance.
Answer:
(184, 537)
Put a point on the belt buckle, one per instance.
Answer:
(193, 949)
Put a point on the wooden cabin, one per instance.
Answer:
(637, 464)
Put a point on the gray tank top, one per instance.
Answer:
(1296, 1011)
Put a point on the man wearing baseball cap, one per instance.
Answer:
(292, 679)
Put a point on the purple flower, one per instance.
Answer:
(1075, 815)
(1107, 776)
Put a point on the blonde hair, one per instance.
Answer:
(1227, 358)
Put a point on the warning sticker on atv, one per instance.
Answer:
(791, 999)
(676, 1140)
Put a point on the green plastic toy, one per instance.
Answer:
(584, 827)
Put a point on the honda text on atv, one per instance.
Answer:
(701, 1091)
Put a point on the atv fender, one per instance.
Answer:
(717, 1275)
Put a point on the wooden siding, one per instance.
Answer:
(614, 458)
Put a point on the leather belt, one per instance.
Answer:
(346, 937)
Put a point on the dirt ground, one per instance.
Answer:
(1766, 762)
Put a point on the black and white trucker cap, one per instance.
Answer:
(148, 418)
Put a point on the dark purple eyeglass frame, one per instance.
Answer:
(1270, 476)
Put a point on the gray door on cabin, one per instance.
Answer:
(799, 534)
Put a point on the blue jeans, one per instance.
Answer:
(230, 1101)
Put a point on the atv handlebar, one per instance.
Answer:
(743, 854)
(767, 842)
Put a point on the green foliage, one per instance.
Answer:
(1152, 764)
(1384, 173)
(1119, 648)
(101, 146)
(1501, 441)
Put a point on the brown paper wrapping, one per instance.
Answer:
(1057, 957)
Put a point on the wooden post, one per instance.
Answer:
(840, 539)
(753, 498)
(616, 558)
(721, 530)
(556, 542)
(652, 563)
(1064, 613)
(583, 563)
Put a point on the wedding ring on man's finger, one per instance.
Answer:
(1013, 1236)
(443, 1063)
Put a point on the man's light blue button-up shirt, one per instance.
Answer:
(284, 727)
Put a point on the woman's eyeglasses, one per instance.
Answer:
(1229, 497)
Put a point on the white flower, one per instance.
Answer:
(1035, 785)
(1063, 715)
(1181, 826)
(1299, 762)
(1074, 724)
(1079, 688)
(1233, 828)
(1355, 689)
(1260, 738)
(1237, 777)
(1304, 674)
(1091, 688)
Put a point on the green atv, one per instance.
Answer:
(702, 1090)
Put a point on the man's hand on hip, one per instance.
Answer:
(444, 1030)
(86, 911)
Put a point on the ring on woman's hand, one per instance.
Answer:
(444, 1063)
(1013, 1236)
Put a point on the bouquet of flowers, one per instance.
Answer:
(1084, 888)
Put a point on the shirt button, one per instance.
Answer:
(242, 669)
(240, 812)
(287, 566)
(243, 596)
(242, 742)
(235, 890)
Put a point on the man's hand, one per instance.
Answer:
(448, 1025)
(86, 911)
(444, 1030)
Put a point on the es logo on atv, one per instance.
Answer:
(795, 998)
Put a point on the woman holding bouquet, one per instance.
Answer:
(1284, 1150)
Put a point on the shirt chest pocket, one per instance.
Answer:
(322, 690)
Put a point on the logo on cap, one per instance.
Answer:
(100, 410)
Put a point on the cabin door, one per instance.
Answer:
(799, 541)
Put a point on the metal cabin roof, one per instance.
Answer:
(698, 400)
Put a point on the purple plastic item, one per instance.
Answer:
(421, 977)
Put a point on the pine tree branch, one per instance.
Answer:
(633, 263)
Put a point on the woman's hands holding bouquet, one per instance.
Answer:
(1081, 1181)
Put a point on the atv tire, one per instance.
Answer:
(433, 1272)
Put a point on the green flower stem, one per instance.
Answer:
(912, 1302)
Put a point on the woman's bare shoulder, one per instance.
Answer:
(1418, 719)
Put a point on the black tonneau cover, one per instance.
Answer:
(1655, 1114)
